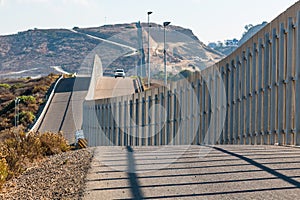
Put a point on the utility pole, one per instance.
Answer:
(149, 71)
(17, 101)
(165, 55)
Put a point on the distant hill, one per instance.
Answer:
(39, 52)
(250, 31)
(229, 46)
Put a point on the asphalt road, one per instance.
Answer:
(194, 172)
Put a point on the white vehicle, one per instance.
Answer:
(119, 73)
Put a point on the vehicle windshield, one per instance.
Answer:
(120, 70)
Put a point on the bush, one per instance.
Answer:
(40, 88)
(18, 150)
(26, 117)
(28, 99)
(5, 85)
(3, 171)
(14, 160)
(17, 86)
(53, 143)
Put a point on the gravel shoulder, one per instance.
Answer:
(60, 176)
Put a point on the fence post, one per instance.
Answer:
(290, 93)
(199, 110)
(214, 100)
(297, 78)
(243, 99)
(232, 102)
(281, 88)
(132, 121)
(267, 90)
(260, 99)
(274, 106)
(122, 130)
(147, 120)
(227, 121)
(224, 106)
(126, 132)
(171, 115)
(254, 93)
(157, 118)
(152, 124)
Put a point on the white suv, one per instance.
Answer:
(119, 73)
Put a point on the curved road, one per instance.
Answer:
(134, 50)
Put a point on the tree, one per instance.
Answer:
(249, 26)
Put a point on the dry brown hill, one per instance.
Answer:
(35, 52)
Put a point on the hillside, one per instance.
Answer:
(36, 52)
(32, 94)
(229, 46)
(250, 31)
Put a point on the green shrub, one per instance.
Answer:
(40, 88)
(17, 86)
(28, 99)
(26, 117)
(5, 85)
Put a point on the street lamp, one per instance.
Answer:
(17, 101)
(165, 56)
(149, 73)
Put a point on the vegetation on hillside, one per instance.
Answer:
(31, 94)
(229, 45)
(18, 151)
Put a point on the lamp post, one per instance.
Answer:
(165, 56)
(17, 101)
(149, 73)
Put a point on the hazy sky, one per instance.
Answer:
(210, 20)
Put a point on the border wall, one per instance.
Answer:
(250, 97)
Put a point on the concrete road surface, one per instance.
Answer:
(65, 111)
(194, 172)
(66, 108)
(110, 87)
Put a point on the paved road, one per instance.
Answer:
(180, 172)
(66, 108)
(65, 111)
(134, 50)
(108, 87)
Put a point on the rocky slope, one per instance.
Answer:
(60, 176)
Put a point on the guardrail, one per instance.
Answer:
(46, 106)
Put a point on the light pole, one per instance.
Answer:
(149, 73)
(165, 56)
(17, 101)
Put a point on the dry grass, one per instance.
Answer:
(18, 150)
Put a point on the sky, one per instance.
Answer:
(210, 20)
